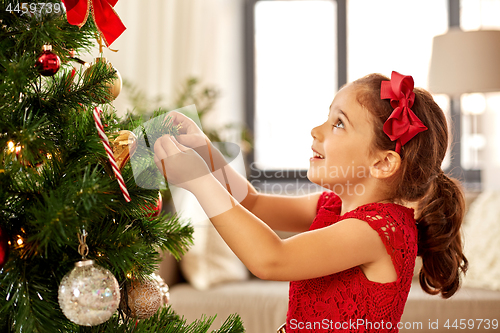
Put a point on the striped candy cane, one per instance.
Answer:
(109, 151)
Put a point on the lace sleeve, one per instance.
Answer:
(399, 238)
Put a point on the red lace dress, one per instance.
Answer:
(347, 301)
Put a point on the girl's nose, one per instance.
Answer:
(316, 133)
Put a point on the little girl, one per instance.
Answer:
(352, 262)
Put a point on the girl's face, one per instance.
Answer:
(341, 146)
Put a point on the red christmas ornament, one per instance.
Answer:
(48, 62)
(154, 211)
(4, 247)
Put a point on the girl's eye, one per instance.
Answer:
(339, 124)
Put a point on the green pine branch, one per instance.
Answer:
(56, 181)
(166, 321)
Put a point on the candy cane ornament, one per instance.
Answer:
(109, 152)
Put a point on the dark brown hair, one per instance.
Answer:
(441, 203)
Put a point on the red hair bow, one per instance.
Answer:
(107, 21)
(402, 125)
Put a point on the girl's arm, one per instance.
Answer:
(283, 213)
(311, 254)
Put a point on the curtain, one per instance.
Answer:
(167, 41)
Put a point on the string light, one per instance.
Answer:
(19, 241)
(11, 146)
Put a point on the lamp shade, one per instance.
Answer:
(465, 62)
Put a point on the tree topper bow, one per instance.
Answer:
(107, 21)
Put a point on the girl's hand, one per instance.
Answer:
(180, 165)
(190, 135)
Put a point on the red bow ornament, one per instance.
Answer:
(402, 125)
(107, 21)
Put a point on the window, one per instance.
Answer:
(295, 78)
(479, 14)
(387, 35)
(289, 76)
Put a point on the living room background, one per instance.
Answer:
(170, 40)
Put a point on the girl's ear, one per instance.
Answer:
(385, 165)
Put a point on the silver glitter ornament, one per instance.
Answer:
(89, 294)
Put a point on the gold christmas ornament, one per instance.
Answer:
(124, 146)
(142, 299)
(115, 87)
(165, 294)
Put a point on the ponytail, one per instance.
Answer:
(441, 203)
(439, 240)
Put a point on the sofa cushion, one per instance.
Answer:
(482, 245)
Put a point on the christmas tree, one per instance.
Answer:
(70, 209)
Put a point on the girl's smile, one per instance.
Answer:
(316, 155)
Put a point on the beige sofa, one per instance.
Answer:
(263, 304)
